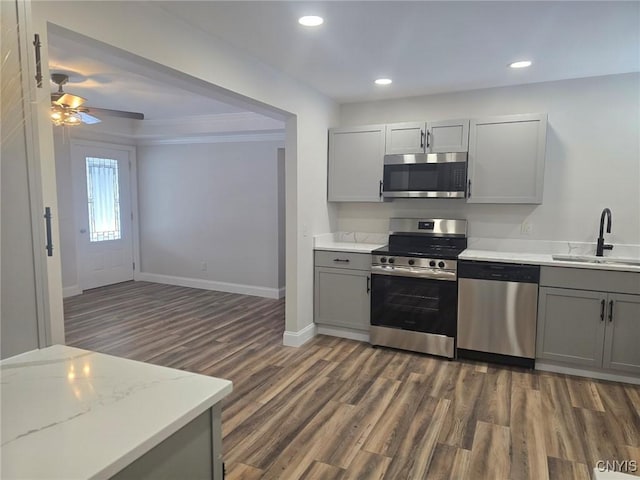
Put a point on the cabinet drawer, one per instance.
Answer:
(590, 279)
(354, 261)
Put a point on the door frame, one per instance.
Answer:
(133, 188)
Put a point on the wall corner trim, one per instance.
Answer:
(343, 333)
(299, 338)
(71, 291)
(209, 285)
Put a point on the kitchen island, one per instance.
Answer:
(72, 413)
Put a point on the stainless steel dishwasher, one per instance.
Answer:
(497, 312)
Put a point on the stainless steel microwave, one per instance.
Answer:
(425, 175)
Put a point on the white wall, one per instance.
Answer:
(145, 30)
(213, 204)
(592, 159)
(66, 216)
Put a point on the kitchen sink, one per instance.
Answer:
(594, 259)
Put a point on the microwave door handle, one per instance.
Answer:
(469, 189)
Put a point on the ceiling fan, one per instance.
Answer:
(68, 109)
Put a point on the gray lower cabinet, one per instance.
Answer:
(193, 452)
(622, 335)
(589, 328)
(342, 292)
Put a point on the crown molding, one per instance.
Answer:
(230, 127)
(228, 123)
(275, 136)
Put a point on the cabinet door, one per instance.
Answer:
(621, 345)
(342, 298)
(571, 326)
(506, 159)
(448, 136)
(23, 273)
(356, 157)
(408, 137)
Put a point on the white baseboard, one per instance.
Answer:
(210, 285)
(282, 292)
(614, 377)
(71, 291)
(297, 339)
(343, 333)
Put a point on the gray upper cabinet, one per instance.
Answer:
(427, 137)
(356, 158)
(506, 159)
(448, 136)
(407, 137)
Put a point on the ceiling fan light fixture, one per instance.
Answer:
(61, 116)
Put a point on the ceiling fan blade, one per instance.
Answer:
(88, 119)
(69, 100)
(116, 113)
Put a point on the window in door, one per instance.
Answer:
(103, 198)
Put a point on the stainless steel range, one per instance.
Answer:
(414, 285)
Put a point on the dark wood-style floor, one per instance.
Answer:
(340, 409)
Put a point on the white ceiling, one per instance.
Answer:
(426, 47)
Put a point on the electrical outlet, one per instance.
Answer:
(203, 266)
(526, 228)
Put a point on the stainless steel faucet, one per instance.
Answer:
(601, 246)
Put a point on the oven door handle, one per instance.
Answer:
(412, 272)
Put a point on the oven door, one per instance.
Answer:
(415, 304)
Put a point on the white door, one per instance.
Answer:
(102, 198)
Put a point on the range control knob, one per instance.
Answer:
(441, 264)
(383, 260)
(432, 263)
(411, 262)
(391, 260)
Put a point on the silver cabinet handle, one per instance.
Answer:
(47, 219)
(611, 311)
(421, 139)
(602, 304)
(343, 260)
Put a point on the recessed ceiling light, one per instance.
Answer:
(311, 21)
(383, 81)
(520, 64)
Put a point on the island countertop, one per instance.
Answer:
(71, 413)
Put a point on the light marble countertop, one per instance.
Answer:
(352, 247)
(71, 413)
(545, 259)
(531, 252)
(354, 242)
